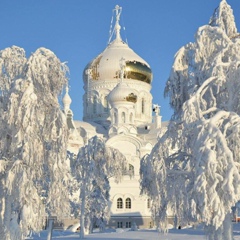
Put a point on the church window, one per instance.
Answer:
(131, 169)
(143, 105)
(128, 224)
(119, 224)
(119, 203)
(128, 203)
(94, 104)
(131, 118)
(115, 118)
(123, 117)
(148, 203)
(105, 104)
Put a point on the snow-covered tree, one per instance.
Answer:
(92, 167)
(33, 169)
(196, 164)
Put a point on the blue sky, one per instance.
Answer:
(78, 30)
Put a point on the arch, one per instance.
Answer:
(119, 203)
(115, 117)
(83, 132)
(128, 203)
(122, 129)
(123, 117)
(131, 169)
(94, 104)
(114, 142)
(105, 104)
(86, 103)
(144, 103)
(132, 130)
(112, 130)
(131, 118)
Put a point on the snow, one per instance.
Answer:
(91, 168)
(33, 141)
(143, 234)
(194, 168)
(192, 171)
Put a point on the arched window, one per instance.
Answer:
(94, 104)
(105, 104)
(131, 169)
(123, 116)
(115, 118)
(131, 118)
(143, 105)
(119, 203)
(148, 203)
(128, 203)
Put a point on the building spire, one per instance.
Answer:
(117, 29)
(67, 101)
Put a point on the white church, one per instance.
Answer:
(118, 107)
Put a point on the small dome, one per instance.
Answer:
(67, 100)
(106, 65)
(122, 93)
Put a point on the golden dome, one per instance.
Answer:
(106, 66)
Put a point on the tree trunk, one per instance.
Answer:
(224, 232)
(50, 228)
(227, 227)
(2, 214)
(176, 222)
(82, 213)
(90, 227)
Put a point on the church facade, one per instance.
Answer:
(118, 107)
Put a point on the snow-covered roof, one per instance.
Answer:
(91, 128)
(121, 93)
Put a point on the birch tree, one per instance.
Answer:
(93, 166)
(33, 139)
(199, 154)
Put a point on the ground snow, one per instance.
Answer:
(127, 234)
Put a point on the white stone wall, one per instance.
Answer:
(96, 91)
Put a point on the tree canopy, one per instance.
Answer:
(33, 139)
(195, 165)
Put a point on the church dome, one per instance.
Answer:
(106, 65)
(122, 93)
(67, 100)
